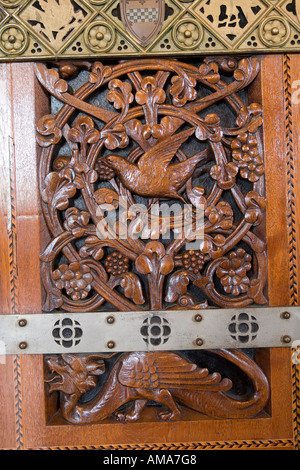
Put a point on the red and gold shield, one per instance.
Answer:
(143, 19)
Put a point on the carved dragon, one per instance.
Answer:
(163, 377)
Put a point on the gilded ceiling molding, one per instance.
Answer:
(70, 29)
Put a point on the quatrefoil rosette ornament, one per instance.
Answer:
(134, 137)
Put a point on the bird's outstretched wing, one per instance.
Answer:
(162, 153)
(155, 370)
(181, 171)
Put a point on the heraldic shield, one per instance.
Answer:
(143, 18)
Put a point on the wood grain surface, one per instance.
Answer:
(26, 410)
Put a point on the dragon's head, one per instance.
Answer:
(74, 374)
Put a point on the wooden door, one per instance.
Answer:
(230, 125)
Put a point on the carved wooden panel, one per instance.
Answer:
(179, 401)
(149, 134)
(127, 141)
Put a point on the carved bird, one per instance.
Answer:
(153, 175)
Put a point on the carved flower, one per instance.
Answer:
(245, 154)
(76, 221)
(99, 37)
(150, 91)
(187, 34)
(92, 247)
(13, 39)
(232, 272)
(275, 31)
(154, 260)
(75, 278)
(225, 174)
(84, 131)
(116, 263)
(220, 215)
(48, 132)
(115, 137)
(78, 174)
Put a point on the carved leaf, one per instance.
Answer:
(195, 196)
(183, 90)
(132, 288)
(57, 191)
(120, 94)
(143, 264)
(244, 119)
(76, 221)
(115, 137)
(256, 206)
(177, 286)
(210, 129)
(164, 129)
(150, 93)
(166, 265)
(92, 247)
(107, 196)
(51, 80)
(84, 132)
(48, 133)
(99, 73)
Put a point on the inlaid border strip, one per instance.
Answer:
(193, 446)
(292, 227)
(13, 271)
(290, 182)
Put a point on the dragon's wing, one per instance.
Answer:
(167, 370)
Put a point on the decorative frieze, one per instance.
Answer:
(56, 29)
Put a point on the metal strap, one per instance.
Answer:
(54, 333)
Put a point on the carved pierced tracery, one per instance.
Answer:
(152, 133)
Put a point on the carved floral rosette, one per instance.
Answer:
(129, 110)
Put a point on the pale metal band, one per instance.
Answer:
(51, 333)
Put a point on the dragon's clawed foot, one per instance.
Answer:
(126, 417)
(133, 414)
(169, 415)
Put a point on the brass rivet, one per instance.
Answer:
(23, 345)
(275, 31)
(22, 322)
(286, 339)
(285, 315)
(110, 319)
(111, 344)
(198, 317)
(12, 39)
(199, 342)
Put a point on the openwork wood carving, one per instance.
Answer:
(154, 139)
(128, 139)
